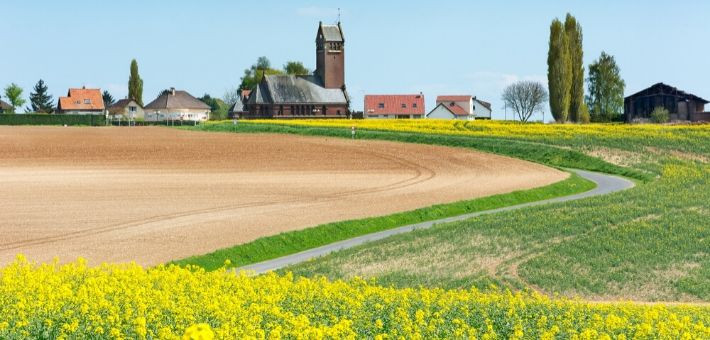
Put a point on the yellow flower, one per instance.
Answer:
(200, 331)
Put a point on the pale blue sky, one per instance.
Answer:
(437, 47)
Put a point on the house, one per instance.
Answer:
(482, 109)
(320, 95)
(680, 105)
(5, 107)
(82, 101)
(462, 107)
(397, 106)
(176, 105)
(127, 108)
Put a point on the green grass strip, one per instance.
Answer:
(283, 244)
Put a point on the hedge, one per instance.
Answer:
(51, 119)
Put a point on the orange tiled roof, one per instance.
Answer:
(82, 99)
(398, 104)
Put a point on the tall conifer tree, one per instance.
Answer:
(40, 99)
(573, 30)
(135, 84)
(558, 76)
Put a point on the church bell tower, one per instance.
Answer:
(330, 55)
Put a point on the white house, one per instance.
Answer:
(481, 109)
(127, 109)
(176, 105)
(460, 107)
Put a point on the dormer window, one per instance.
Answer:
(87, 101)
(452, 104)
(404, 106)
(414, 105)
(381, 105)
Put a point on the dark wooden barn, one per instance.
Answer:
(681, 105)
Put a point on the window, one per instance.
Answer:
(414, 105)
(404, 106)
(452, 104)
(381, 105)
(87, 101)
(131, 109)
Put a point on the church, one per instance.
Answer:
(320, 95)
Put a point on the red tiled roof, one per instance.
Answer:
(452, 98)
(455, 109)
(82, 99)
(393, 104)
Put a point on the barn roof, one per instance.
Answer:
(661, 88)
(290, 89)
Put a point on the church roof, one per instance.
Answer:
(332, 33)
(289, 89)
(237, 107)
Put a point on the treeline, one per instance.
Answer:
(565, 74)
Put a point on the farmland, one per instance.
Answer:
(154, 194)
(126, 301)
(528, 273)
(649, 243)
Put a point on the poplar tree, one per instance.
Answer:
(558, 76)
(135, 84)
(573, 30)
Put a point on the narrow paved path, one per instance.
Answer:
(605, 184)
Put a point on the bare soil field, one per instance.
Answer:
(152, 194)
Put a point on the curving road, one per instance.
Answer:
(605, 184)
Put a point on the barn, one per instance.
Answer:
(681, 105)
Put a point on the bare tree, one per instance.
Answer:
(232, 95)
(525, 97)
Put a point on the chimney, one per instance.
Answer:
(172, 90)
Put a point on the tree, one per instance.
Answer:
(219, 108)
(525, 97)
(232, 96)
(135, 84)
(573, 30)
(605, 87)
(558, 75)
(40, 100)
(108, 98)
(296, 68)
(13, 92)
(253, 75)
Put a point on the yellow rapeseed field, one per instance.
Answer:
(169, 302)
(495, 128)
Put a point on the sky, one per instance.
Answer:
(391, 47)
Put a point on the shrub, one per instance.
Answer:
(660, 115)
